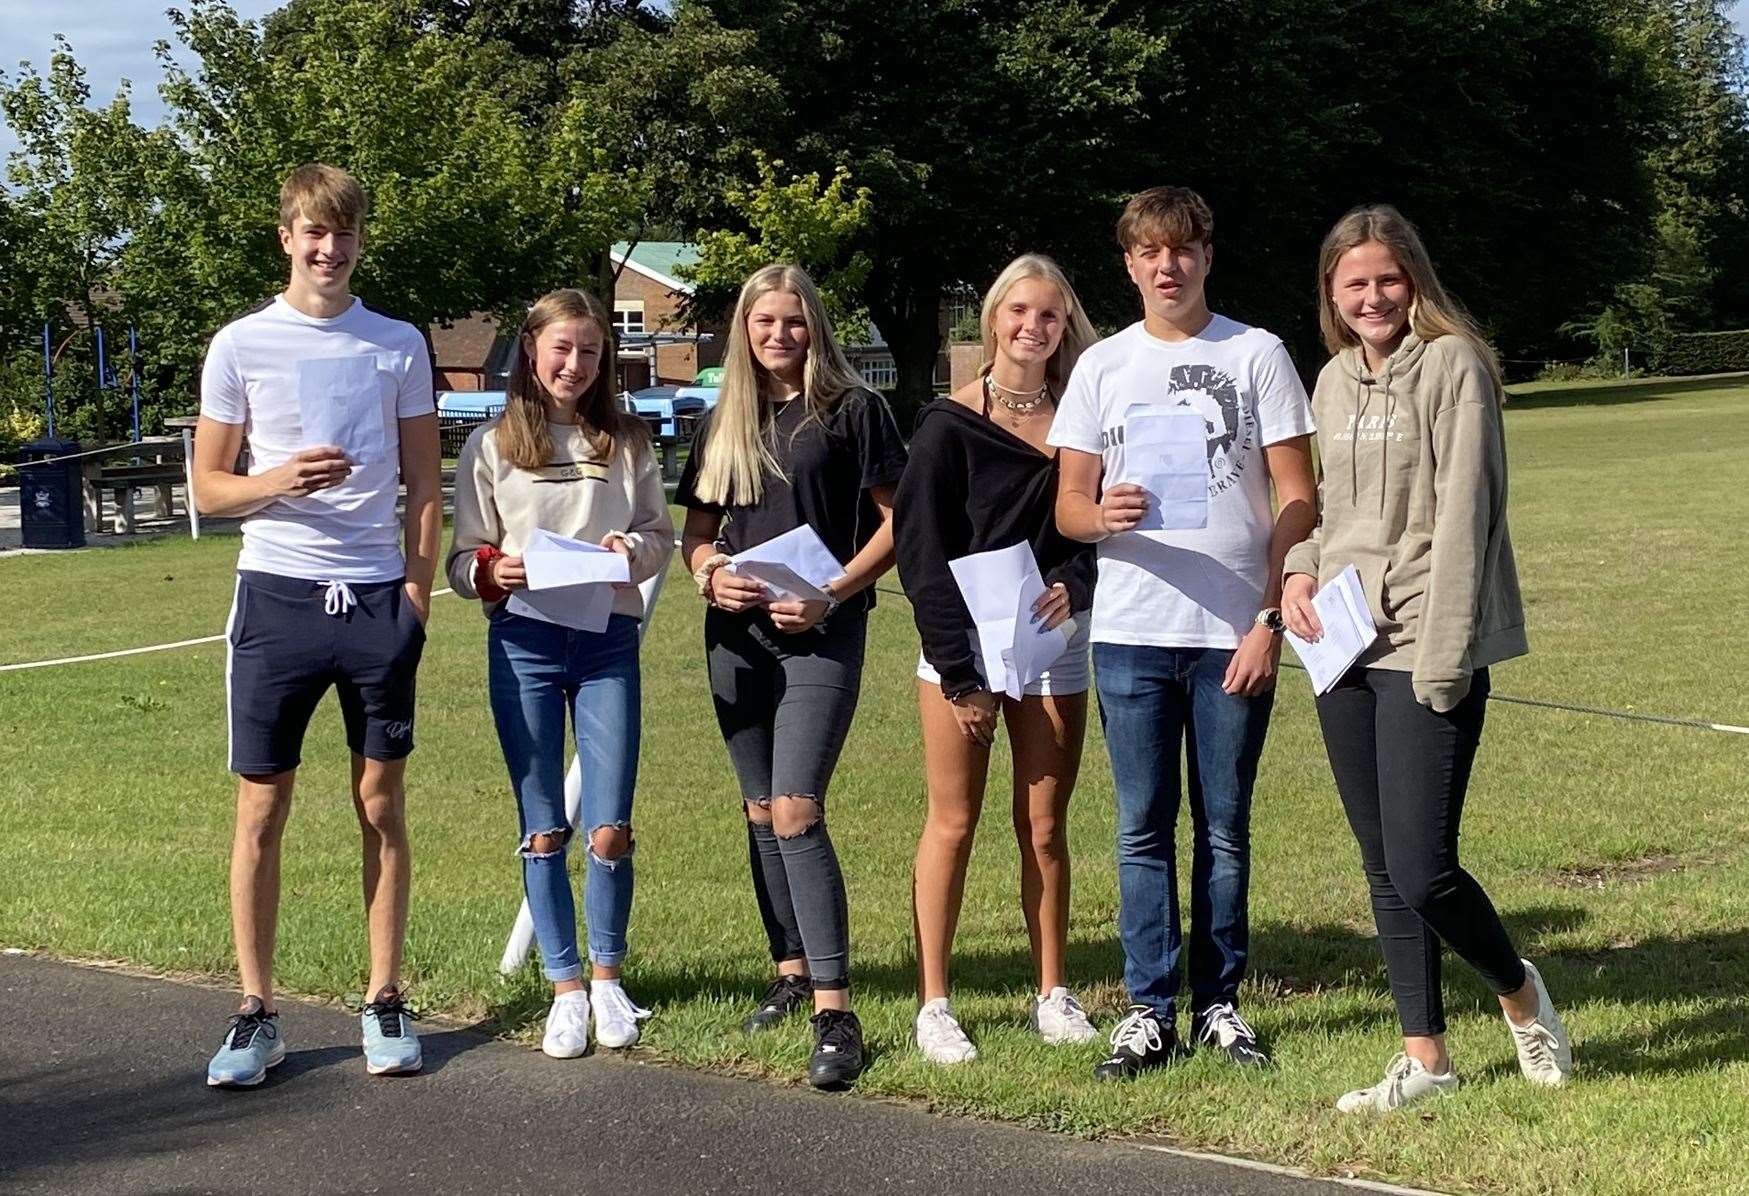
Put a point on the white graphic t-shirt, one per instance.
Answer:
(1200, 588)
(297, 382)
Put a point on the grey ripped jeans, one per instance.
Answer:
(784, 704)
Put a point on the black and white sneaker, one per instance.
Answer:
(783, 997)
(1140, 1043)
(1221, 1027)
(837, 1058)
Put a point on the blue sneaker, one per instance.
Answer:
(252, 1045)
(391, 1048)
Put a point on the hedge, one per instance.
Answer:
(1704, 353)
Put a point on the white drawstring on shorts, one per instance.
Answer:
(338, 598)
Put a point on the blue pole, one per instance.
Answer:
(48, 380)
(134, 375)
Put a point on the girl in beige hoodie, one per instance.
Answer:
(1414, 456)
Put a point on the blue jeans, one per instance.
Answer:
(537, 671)
(1150, 701)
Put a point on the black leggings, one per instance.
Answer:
(1402, 771)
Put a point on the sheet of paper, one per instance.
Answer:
(999, 588)
(1348, 630)
(570, 582)
(339, 403)
(584, 607)
(555, 561)
(1166, 454)
(795, 565)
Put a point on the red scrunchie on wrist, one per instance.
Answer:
(484, 586)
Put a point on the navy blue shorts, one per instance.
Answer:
(290, 639)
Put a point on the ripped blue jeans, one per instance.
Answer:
(537, 671)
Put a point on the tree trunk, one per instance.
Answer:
(908, 313)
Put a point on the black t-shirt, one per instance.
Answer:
(829, 466)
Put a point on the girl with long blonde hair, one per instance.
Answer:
(982, 478)
(1414, 454)
(563, 459)
(797, 438)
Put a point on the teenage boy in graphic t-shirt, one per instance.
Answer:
(337, 405)
(1186, 623)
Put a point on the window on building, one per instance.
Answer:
(628, 317)
(882, 373)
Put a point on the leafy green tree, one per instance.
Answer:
(801, 222)
(980, 130)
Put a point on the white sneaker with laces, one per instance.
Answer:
(1545, 1053)
(1060, 1019)
(567, 1033)
(939, 1036)
(616, 1015)
(1406, 1081)
(1221, 1028)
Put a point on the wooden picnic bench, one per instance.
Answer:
(155, 464)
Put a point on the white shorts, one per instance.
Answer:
(1069, 673)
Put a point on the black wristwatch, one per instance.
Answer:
(1270, 617)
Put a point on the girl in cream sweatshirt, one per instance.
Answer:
(563, 459)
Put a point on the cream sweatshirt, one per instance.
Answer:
(578, 495)
(1414, 497)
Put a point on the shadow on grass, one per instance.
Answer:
(1299, 959)
(1649, 391)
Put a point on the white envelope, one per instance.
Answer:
(999, 588)
(1166, 454)
(340, 403)
(1348, 630)
(794, 566)
(553, 561)
(570, 582)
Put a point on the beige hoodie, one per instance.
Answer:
(577, 495)
(1414, 497)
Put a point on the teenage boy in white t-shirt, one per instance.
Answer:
(337, 405)
(1186, 625)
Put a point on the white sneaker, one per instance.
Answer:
(1545, 1053)
(939, 1036)
(1059, 1018)
(567, 1033)
(616, 1015)
(1406, 1080)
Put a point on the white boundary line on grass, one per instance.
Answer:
(1363, 1185)
(205, 639)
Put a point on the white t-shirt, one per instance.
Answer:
(1200, 588)
(296, 382)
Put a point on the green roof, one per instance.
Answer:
(661, 257)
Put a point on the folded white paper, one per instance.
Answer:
(794, 566)
(570, 582)
(999, 588)
(1348, 630)
(1166, 454)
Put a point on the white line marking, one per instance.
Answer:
(1364, 1185)
(205, 639)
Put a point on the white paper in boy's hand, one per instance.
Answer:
(1000, 588)
(794, 566)
(570, 582)
(339, 404)
(1348, 630)
(553, 561)
(1166, 454)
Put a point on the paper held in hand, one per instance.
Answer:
(570, 582)
(1000, 588)
(1166, 454)
(794, 566)
(1348, 630)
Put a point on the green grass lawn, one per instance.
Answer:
(1618, 852)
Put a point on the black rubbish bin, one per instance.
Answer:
(51, 495)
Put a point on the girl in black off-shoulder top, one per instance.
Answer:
(980, 477)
